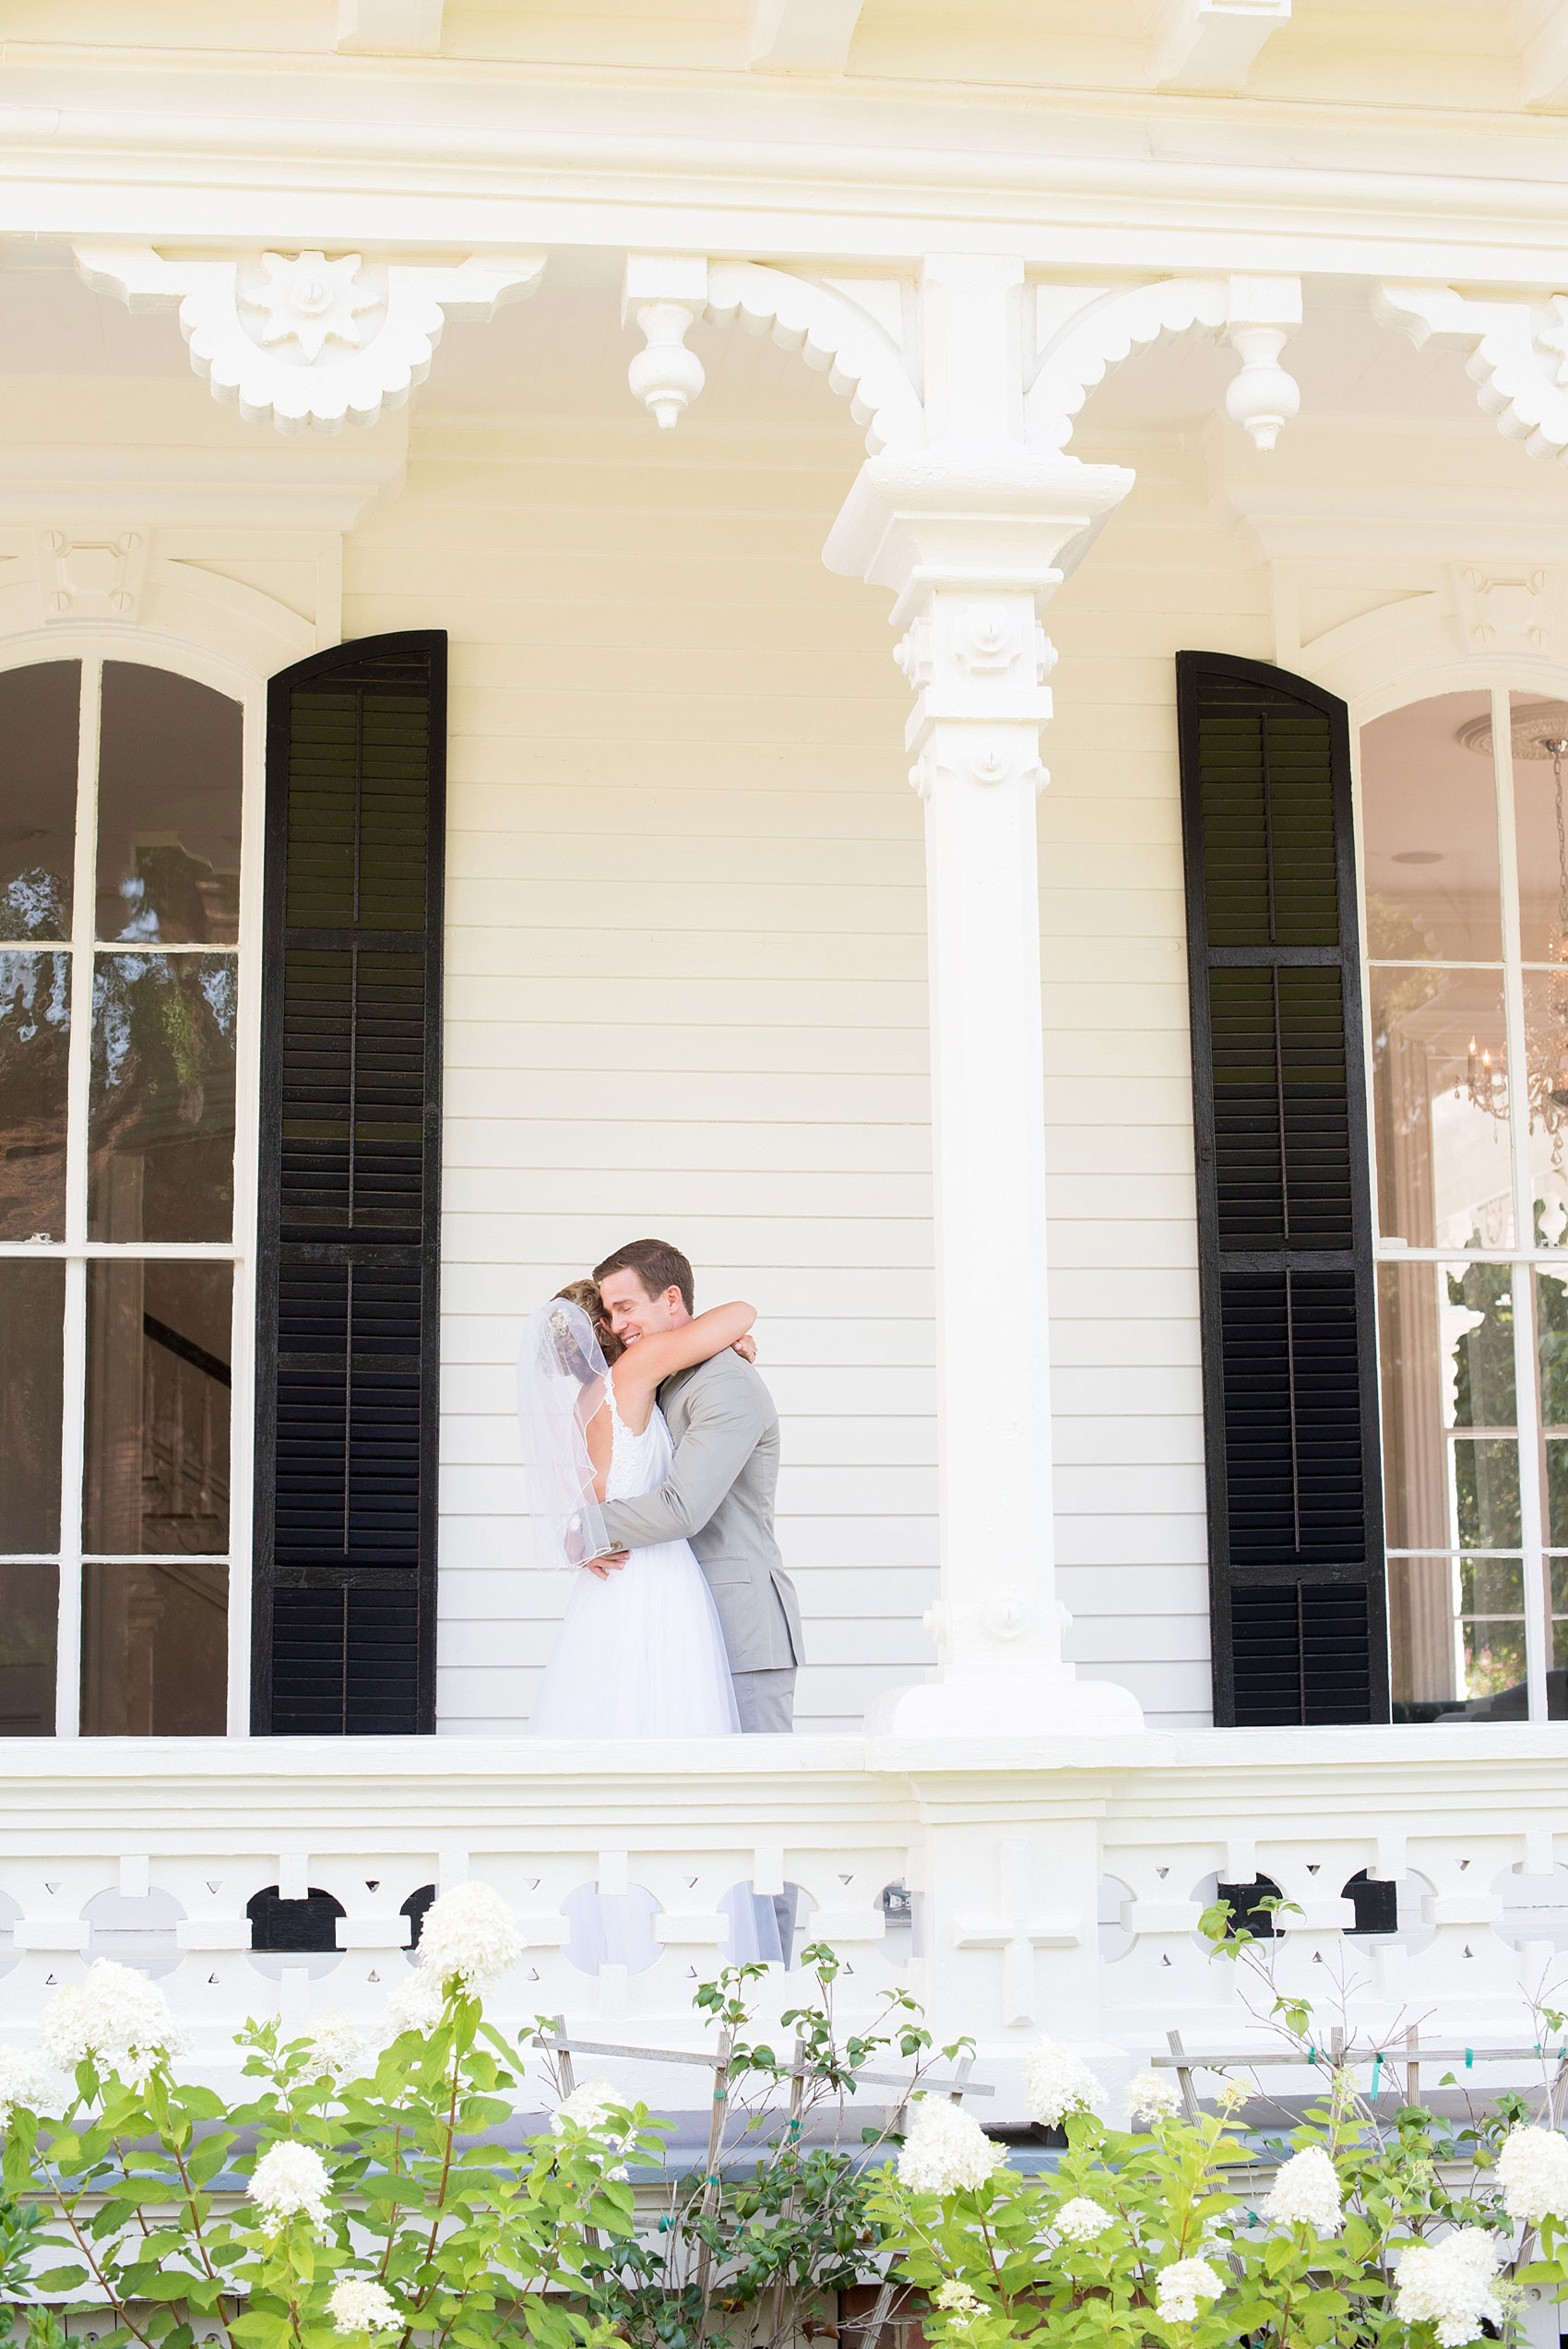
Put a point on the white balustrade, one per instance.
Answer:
(1052, 1888)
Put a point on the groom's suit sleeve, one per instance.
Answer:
(720, 1435)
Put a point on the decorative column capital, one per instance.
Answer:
(994, 518)
(972, 544)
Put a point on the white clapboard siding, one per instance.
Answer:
(1131, 1528)
(685, 994)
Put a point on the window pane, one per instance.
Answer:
(167, 810)
(30, 1612)
(1545, 1039)
(155, 1650)
(39, 712)
(1430, 833)
(1486, 1486)
(1446, 1341)
(1440, 1108)
(1543, 862)
(161, 1140)
(35, 1037)
(1551, 1346)
(32, 1305)
(158, 1342)
(1457, 1637)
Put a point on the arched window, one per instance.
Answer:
(1465, 863)
(121, 792)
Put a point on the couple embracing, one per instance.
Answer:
(651, 1445)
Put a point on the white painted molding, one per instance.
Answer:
(801, 36)
(1262, 398)
(1082, 332)
(666, 293)
(1213, 45)
(389, 28)
(91, 579)
(1540, 30)
(308, 339)
(1511, 608)
(832, 333)
(1518, 354)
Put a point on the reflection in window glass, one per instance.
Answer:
(35, 1039)
(39, 710)
(1430, 833)
(1486, 1492)
(155, 1645)
(1551, 1347)
(167, 810)
(158, 1345)
(1546, 1041)
(1445, 1339)
(32, 1303)
(1457, 1637)
(30, 1610)
(161, 1140)
(1440, 1108)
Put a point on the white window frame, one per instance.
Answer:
(1501, 680)
(92, 646)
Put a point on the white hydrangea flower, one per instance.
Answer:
(1057, 2083)
(25, 2081)
(360, 2305)
(1306, 2193)
(586, 2107)
(289, 2179)
(1081, 2219)
(469, 1934)
(415, 2005)
(335, 2046)
(946, 2151)
(116, 2015)
(1532, 2170)
(1151, 2097)
(1449, 2285)
(1180, 2287)
(957, 2298)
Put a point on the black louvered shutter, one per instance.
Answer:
(1283, 1198)
(348, 1329)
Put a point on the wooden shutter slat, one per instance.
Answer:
(1284, 1206)
(348, 1306)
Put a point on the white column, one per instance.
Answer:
(971, 533)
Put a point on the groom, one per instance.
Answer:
(718, 1494)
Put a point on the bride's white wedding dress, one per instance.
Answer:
(639, 1654)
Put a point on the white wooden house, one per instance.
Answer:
(458, 467)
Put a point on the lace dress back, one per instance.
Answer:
(638, 1464)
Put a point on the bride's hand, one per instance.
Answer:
(745, 1348)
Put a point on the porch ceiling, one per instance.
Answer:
(1465, 53)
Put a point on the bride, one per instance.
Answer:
(640, 1652)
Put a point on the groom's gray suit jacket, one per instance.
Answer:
(719, 1497)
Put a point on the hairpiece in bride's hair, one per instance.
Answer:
(561, 1325)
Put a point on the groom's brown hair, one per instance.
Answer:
(657, 1265)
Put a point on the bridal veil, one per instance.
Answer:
(560, 1386)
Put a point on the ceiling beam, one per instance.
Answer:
(389, 28)
(1541, 29)
(801, 36)
(1212, 44)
